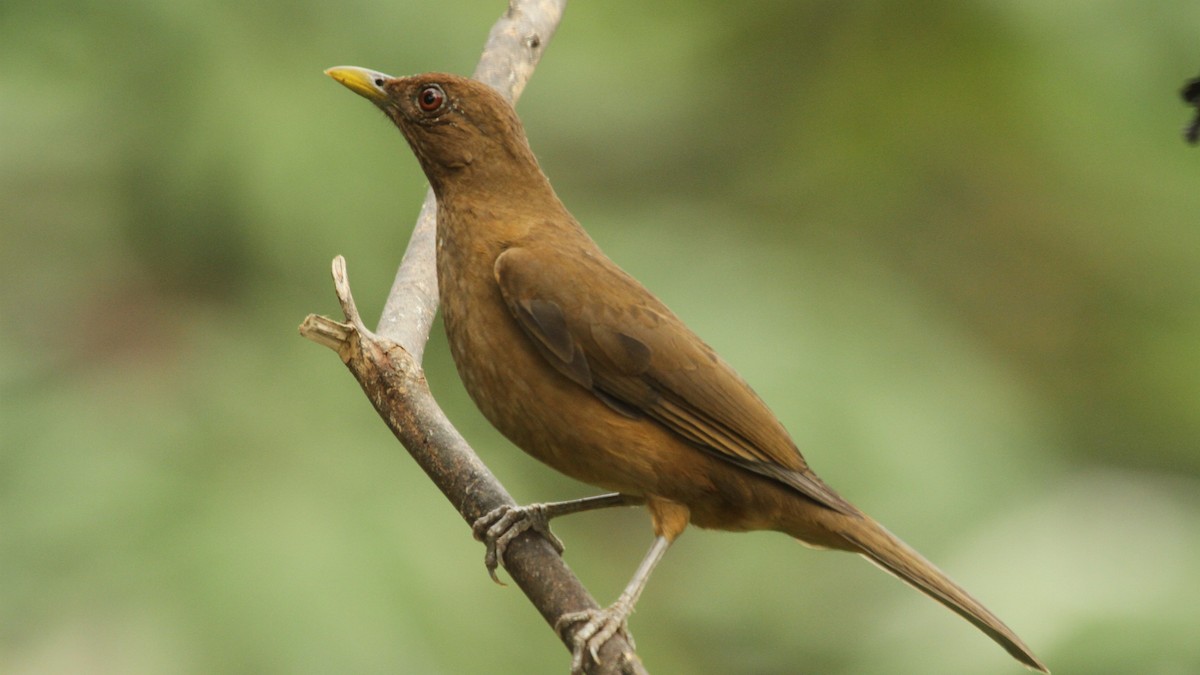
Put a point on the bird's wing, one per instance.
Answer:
(636, 356)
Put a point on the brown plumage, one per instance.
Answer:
(580, 366)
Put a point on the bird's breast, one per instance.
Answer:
(541, 411)
(564, 424)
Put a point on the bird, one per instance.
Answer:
(582, 367)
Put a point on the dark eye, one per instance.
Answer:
(431, 98)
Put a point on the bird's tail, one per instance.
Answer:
(881, 547)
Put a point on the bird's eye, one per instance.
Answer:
(431, 98)
(379, 82)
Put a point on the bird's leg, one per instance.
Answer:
(498, 527)
(601, 624)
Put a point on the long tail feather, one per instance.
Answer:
(885, 550)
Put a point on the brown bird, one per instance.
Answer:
(580, 366)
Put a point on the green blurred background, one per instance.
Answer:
(954, 245)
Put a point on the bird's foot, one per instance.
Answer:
(599, 625)
(498, 527)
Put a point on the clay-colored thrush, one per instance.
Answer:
(580, 366)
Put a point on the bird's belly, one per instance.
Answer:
(544, 413)
(567, 427)
(551, 417)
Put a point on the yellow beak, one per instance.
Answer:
(365, 83)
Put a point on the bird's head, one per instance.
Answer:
(458, 128)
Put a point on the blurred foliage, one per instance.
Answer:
(954, 245)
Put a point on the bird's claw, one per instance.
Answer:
(498, 527)
(599, 626)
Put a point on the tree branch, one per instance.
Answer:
(388, 365)
(1191, 96)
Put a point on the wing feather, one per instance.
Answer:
(640, 359)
